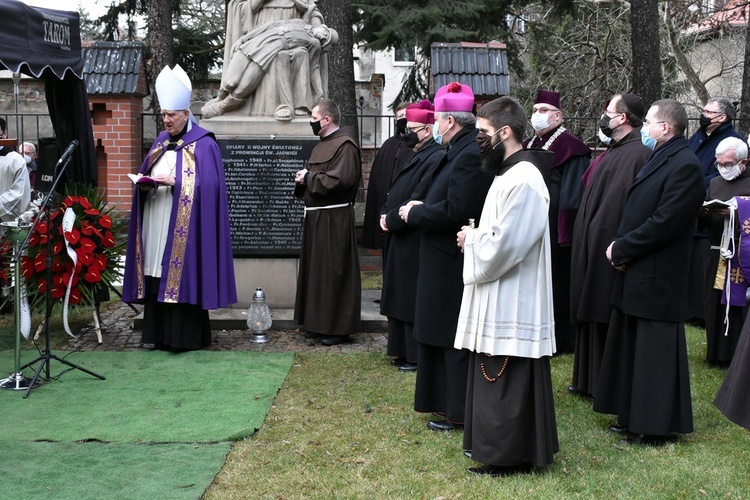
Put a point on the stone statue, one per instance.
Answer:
(275, 60)
(293, 48)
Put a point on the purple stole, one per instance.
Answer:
(735, 284)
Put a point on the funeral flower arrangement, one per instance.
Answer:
(86, 242)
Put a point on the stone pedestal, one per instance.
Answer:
(260, 158)
(251, 127)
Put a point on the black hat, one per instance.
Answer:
(635, 105)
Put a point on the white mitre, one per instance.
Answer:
(173, 89)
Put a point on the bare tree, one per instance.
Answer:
(644, 29)
(586, 57)
(706, 47)
(338, 15)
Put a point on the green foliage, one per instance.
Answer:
(198, 31)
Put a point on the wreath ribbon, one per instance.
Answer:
(68, 221)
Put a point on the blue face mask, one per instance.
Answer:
(435, 134)
(647, 140)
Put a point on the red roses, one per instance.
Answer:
(93, 240)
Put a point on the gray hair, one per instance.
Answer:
(725, 105)
(733, 144)
(29, 145)
(463, 118)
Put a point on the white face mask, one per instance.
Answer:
(730, 173)
(605, 140)
(539, 121)
(28, 159)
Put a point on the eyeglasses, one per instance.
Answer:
(653, 123)
(725, 166)
(543, 111)
(419, 129)
(709, 112)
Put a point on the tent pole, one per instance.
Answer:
(16, 81)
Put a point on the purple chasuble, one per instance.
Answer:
(197, 266)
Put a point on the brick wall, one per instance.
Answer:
(117, 138)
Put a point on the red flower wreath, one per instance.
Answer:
(93, 240)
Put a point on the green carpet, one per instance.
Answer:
(154, 396)
(113, 471)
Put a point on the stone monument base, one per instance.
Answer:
(276, 276)
(276, 273)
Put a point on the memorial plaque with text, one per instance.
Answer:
(264, 216)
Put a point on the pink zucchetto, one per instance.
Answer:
(454, 97)
(421, 112)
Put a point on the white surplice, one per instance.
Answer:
(506, 307)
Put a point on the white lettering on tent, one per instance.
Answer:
(57, 33)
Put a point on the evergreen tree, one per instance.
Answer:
(387, 24)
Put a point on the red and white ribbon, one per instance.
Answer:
(68, 221)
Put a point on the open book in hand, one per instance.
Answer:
(141, 179)
(720, 205)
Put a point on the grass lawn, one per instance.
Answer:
(342, 426)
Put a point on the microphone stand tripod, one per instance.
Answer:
(46, 356)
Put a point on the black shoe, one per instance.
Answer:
(467, 453)
(334, 340)
(619, 429)
(577, 392)
(312, 335)
(408, 367)
(648, 440)
(443, 425)
(498, 470)
(398, 361)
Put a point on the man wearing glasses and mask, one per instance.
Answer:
(401, 263)
(715, 126)
(566, 189)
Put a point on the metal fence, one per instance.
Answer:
(28, 127)
(375, 129)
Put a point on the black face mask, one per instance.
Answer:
(604, 125)
(493, 157)
(401, 126)
(410, 140)
(704, 121)
(316, 126)
(484, 141)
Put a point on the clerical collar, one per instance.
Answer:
(176, 140)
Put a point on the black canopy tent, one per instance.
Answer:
(46, 44)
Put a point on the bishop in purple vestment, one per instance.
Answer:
(179, 254)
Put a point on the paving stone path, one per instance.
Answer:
(118, 335)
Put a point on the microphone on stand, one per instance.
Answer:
(71, 148)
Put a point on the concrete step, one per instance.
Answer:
(283, 319)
